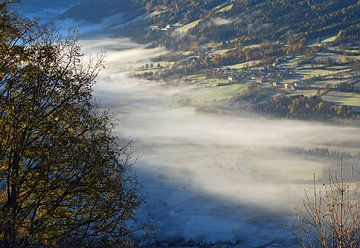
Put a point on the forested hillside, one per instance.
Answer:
(297, 59)
(94, 10)
(226, 20)
(47, 3)
(250, 21)
(293, 58)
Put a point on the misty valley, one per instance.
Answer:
(223, 175)
(240, 117)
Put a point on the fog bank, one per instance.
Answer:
(207, 174)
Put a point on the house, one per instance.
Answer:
(189, 59)
(259, 80)
(289, 86)
(168, 27)
(230, 78)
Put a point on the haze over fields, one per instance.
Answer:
(209, 169)
(209, 174)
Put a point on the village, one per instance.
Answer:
(332, 73)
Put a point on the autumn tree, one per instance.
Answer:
(64, 179)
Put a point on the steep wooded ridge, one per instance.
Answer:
(250, 21)
(297, 59)
(94, 10)
(47, 4)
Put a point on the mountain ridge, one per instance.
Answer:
(294, 59)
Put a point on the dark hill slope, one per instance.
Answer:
(224, 20)
(95, 10)
(247, 21)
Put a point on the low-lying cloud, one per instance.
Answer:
(219, 21)
(197, 165)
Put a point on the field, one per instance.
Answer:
(197, 78)
(292, 63)
(213, 44)
(307, 93)
(245, 64)
(225, 9)
(330, 39)
(324, 39)
(213, 82)
(204, 81)
(343, 98)
(222, 51)
(315, 73)
(187, 27)
(157, 12)
(209, 96)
